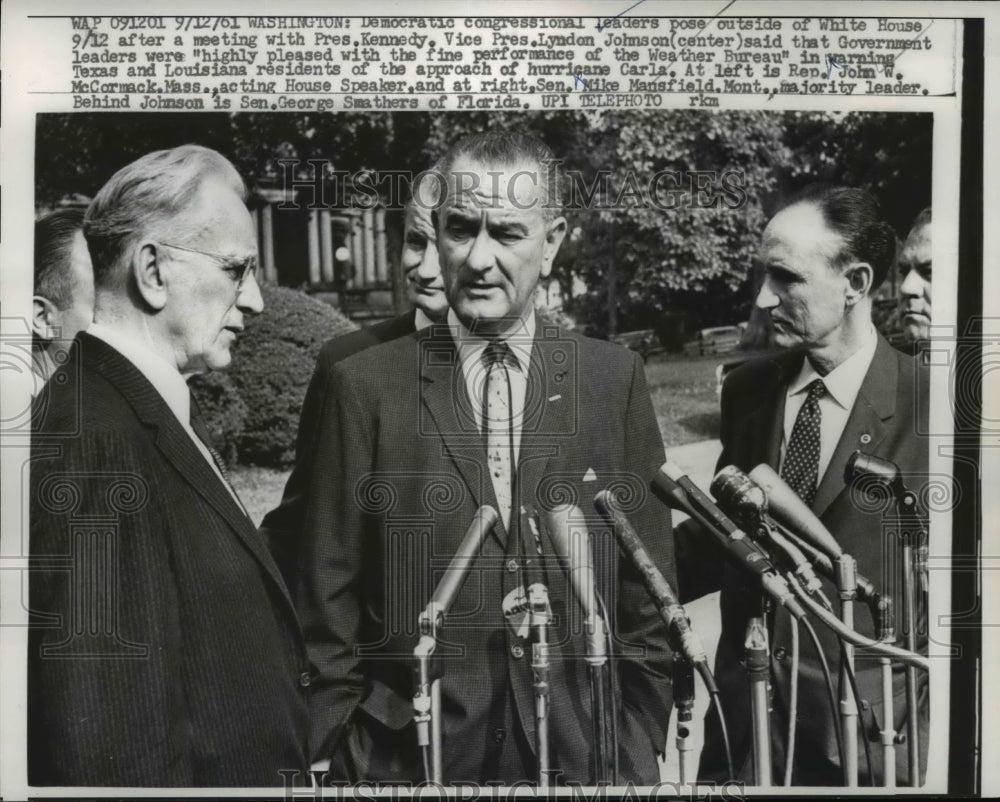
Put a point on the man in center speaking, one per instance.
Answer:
(495, 409)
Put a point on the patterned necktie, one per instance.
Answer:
(801, 466)
(498, 424)
(198, 426)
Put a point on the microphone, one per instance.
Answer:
(671, 486)
(425, 705)
(791, 511)
(861, 464)
(571, 539)
(738, 493)
(458, 569)
(566, 527)
(683, 639)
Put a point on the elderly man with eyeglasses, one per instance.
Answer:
(166, 651)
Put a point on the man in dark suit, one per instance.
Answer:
(839, 387)
(164, 649)
(282, 526)
(411, 444)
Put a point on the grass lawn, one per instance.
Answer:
(260, 489)
(684, 399)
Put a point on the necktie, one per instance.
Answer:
(198, 426)
(801, 466)
(498, 424)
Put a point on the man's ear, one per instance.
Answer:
(554, 233)
(44, 316)
(860, 277)
(149, 270)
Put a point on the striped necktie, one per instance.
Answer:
(198, 426)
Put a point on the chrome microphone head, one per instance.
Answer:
(861, 464)
(739, 495)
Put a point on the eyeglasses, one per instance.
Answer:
(240, 269)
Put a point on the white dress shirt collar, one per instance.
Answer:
(420, 320)
(164, 377)
(843, 383)
(520, 337)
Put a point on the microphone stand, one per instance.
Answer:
(683, 682)
(887, 735)
(907, 505)
(427, 696)
(427, 699)
(597, 660)
(758, 672)
(847, 585)
(540, 614)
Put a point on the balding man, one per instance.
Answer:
(837, 387)
(167, 651)
(417, 434)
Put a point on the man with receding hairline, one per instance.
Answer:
(837, 387)
(167, 652)
(494, 409)
(63, 298)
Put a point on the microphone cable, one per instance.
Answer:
(831, 693)
(853, 680)
(793, 703)
(722, 720)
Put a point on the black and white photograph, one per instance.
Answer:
(604, 445)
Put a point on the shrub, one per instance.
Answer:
(272, 363)
(223, 410)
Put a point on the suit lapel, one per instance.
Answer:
(548, 404)
(444, 396)
(763, 425)
(865, 428)
(177, 447)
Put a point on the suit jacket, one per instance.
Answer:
(282, 526)
(164, 649)
(399, 473)
(884, 421)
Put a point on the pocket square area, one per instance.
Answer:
(590, 476)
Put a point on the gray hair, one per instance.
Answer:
(153, 189)
(509, 149)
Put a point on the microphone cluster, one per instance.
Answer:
(757, 520)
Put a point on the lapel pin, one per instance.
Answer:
(866, 438)
(555, 397)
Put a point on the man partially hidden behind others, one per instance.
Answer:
(915, 290)
(165, 649)
(282, 526)
(416, 434)
(837, 388)
(63, 299)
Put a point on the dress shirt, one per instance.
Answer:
(166, 380)
(520, 338)
(420, 319)
(843, 384)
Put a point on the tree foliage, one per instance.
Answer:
(639, 254)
